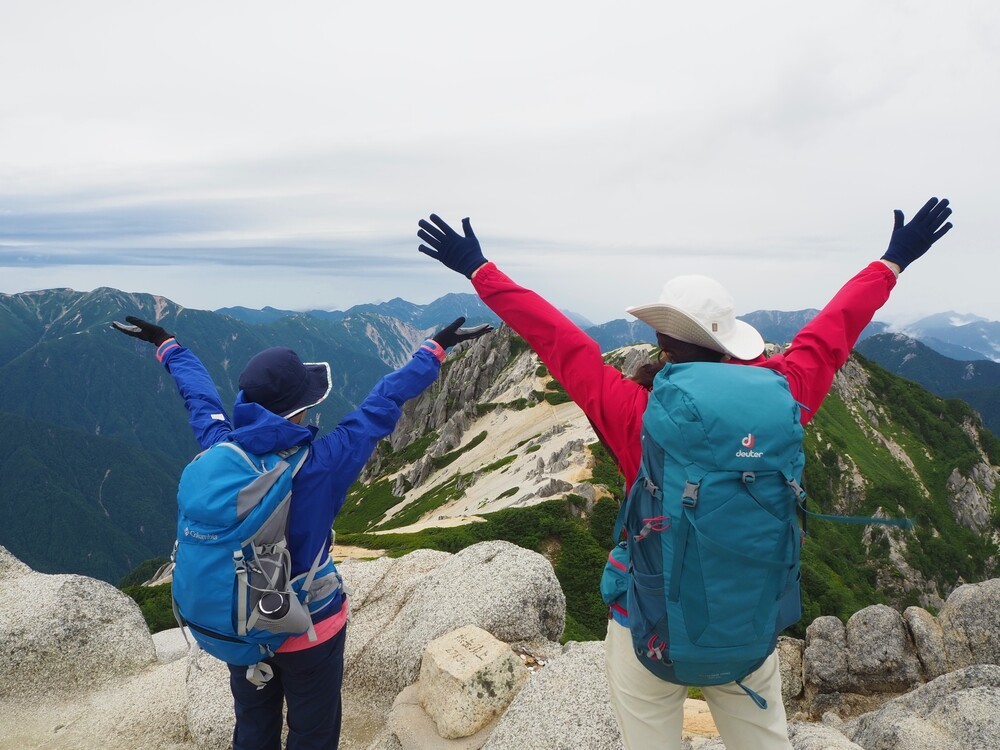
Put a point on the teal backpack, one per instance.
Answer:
(713, 537)
(709, 569)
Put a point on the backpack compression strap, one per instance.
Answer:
(800, 494)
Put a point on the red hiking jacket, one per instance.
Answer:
(615, 405)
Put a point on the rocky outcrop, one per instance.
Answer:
(69, 630)
(507, 446)
(471, 376)
(899, 578)
(969, 625)
(398, 606)
(880, 654)
(209, 703)
(790, 654)
(567, 704)
(79, 665)
(957, 710)
(928, 639)
(971, 497)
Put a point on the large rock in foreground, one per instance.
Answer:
(969, 624)
(564, 705)
(958, 710)
(63, 631)
(399, 606)
(467, 679)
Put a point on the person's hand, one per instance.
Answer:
(452, 334)
(142, 329)
(911, 240)
(461, 254)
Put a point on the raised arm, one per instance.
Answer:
(348, 447)
(206, 414)
(824, 344)
(613, 403)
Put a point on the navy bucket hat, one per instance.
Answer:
(282, 383)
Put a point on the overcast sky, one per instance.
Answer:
(251, 153)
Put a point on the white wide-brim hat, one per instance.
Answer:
(699, 310)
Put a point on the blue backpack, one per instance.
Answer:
(232, 583)
(713, 538)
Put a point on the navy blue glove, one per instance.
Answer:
(450, 335)
(459, 253)
(141, 329)
(910, 241)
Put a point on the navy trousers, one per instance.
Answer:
(309, 681)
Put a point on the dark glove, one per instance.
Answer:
(461, 254)
(142, 329)
(450, 335)
(910, 241)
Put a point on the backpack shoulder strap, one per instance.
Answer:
(295, 456)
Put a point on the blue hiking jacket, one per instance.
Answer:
(334, 461)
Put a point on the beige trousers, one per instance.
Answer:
(650, 711)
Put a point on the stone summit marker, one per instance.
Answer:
(467, 678)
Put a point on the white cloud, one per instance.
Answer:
(598, 147)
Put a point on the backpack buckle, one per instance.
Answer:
(690, 497)
(797, 489)
(651, 488)
(749, 477)
(643, 532)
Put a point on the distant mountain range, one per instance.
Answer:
(966, 337)
(958, 336)
(448, 308)
(442, 310)
(975, 382)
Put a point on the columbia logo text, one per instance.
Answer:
(196, 535)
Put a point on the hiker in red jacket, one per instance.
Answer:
(694, 320)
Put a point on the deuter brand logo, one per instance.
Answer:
(196, 535)
(748, 443)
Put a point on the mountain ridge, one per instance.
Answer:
(976, 382)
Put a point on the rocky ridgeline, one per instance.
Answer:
(472, 376)
(490, 387)
(461, 651)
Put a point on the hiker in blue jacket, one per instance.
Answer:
(276, 391)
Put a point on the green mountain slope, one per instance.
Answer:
(83, 504)
(66, 366)
(891, 450)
